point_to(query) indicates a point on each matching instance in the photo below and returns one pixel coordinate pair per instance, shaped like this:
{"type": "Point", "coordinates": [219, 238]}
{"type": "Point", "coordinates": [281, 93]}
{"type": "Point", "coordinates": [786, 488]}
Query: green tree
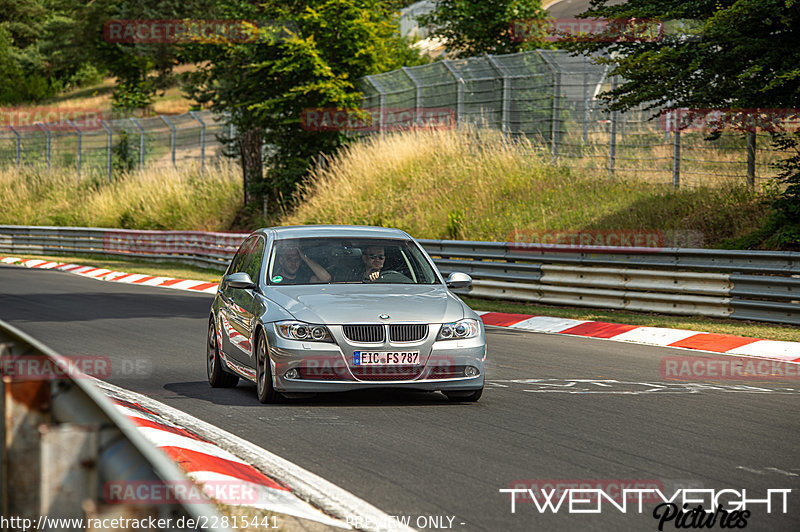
{"type": "Point", "coordinates": [476, 27]}
{"type": "Point", "coordinates": [741, 54]}
{"type": "Point", "coordinates": [308, 54]}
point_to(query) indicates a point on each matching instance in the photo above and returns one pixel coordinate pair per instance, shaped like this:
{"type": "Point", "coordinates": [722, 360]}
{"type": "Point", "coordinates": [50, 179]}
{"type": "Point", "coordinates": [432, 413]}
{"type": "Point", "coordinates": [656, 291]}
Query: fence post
{"type": "Point", "coordinates": [417, 96]}
{"type": "Point", "coordinates": [80, 135]}
{"type": "Point", "coordinates": [141, 142]}
{"type": "Point", "coordinates": [202, 140]}
{"type": "Point", "coordinates": [47, 142]}
{"type": "Point", "coordinates": [676, 158]}
{"type": "Point", "coordinates": [751, 160]}
{"type": "Point", "coordinates": [612, 137]}
{"type": "Point", "coordinates": [19, 144]}
{"type": "Point", "coordinates": [171, 136]}
{"type": "Point", "coordinates": [382, 104]}
{"type": "Point", "coordinates": [459, 91]}
{"type": "Point", "coordinates": [108, 148]}
{"type": "Point", "coordinates": [585, 100]}
{"type": "Point", "coordinates": [506, 101]}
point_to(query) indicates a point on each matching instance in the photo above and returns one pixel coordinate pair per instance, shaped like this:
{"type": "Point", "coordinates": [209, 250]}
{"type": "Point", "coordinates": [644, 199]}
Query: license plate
{"type": "Point", "coordinates": [385, 358]}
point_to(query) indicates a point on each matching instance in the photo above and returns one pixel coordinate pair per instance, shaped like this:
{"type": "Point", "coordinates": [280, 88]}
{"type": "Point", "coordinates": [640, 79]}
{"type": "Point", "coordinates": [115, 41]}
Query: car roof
{"type": "Point", "coordinates": [322, 231]}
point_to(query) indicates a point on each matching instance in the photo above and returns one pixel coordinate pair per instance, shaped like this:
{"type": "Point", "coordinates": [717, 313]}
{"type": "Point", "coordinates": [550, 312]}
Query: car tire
{"type": "Point", "coordinates": [266, 393]}
{"type": "Point", "coordinates": [465, 397]}
{"type": "Point", "coordinates": [217, 377]}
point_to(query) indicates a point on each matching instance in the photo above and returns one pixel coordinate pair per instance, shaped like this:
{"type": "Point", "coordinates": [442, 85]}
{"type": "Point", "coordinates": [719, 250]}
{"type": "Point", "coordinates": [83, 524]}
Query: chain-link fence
{"type": "Point", "coordinates": [99, 146]}
{"type": "Point", "coordinates": [547, 95]}
{"type": "Point", "coordinates": [553, 98]}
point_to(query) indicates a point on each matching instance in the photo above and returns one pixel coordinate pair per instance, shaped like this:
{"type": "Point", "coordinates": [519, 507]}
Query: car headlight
{"type": "Point", "coordinates": [459, 330]}
{"type": "Point", "coordinates": [307, 332]}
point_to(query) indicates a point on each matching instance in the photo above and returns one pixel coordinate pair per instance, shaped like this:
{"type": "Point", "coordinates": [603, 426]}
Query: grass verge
{"type": "Point", "coordinates": [696, 323]}
{"type": "Point", "coordinates": [168, 198]}
{"type": "Point", "coordinates": [482, 185]}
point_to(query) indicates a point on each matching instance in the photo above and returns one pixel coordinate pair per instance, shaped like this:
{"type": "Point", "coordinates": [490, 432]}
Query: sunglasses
{"type": "Point", "coordinates": [381, 257]}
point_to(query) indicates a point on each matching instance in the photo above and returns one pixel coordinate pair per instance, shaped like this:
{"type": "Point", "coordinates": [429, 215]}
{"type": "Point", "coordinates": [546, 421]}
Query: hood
{"type": "Point", "coordinates": [364, 303]}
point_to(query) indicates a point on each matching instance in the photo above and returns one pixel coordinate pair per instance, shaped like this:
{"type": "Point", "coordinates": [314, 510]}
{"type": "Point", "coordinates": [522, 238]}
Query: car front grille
{"type": "Point", "coordinates": [386, 373]}
{"type": "Point", "coordinates": [369, 334]}
{"type": "Point", "coordinates": [408, 332]}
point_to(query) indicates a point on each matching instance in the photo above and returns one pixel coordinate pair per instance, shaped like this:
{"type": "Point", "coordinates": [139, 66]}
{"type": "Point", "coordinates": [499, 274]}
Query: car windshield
{"type": "Point", "coordinates": [337, 260]}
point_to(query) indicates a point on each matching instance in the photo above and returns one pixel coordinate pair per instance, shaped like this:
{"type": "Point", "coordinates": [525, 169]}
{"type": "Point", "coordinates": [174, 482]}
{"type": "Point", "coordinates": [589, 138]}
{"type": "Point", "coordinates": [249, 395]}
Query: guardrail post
{"type": "Point", "coordinates": [108, 148]}
{"type": "Point", "coordinates": [751, 160]}
{"type": "Point", "coordinates": [202, 140]}
{"type": "Point", "coordinates": [19, 143]}
{"type": "Point", "coordinates": [171, 137]}
{"type": "Point", "coordinates": [612, 137]}
{"type": "Point", "coordinates": [676, 159]}
{"type": "Point", "coordinates": [141, 142]}
{"type": "Point", "coordinates": [47, 142]}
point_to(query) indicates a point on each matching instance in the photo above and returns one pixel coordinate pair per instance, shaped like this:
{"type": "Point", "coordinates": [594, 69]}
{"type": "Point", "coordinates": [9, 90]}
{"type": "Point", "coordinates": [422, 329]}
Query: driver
{"type": "Point", "coordinates": [373, 259]}
{"type": "Point", "coordinates": [296, 268]}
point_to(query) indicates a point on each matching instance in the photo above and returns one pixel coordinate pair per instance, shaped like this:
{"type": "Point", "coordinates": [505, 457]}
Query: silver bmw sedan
{"type": "Point", "coordinates": [332, 308]}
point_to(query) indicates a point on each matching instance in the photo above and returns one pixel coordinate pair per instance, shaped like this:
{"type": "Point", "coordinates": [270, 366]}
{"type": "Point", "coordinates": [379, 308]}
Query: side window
{"type": "Point", "coordinates": [242, 257]}
{"type": "Point", "coordinates": [254, 259]}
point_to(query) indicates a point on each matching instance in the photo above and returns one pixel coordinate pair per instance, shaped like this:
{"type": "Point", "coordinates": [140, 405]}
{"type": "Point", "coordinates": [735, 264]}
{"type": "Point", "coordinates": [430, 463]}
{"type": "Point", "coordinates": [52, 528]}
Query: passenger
{"type": "Point", "coordinates": [294, 267]}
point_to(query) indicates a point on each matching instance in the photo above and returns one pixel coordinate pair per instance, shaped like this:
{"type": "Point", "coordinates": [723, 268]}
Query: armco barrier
{"type": "Point", "coordinates": [741, 284]}
{"type": "Point", "coordinates": [63, 441]}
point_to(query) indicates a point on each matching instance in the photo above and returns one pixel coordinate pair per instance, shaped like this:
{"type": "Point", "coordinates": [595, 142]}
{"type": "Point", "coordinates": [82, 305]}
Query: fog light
{"type": "Point", "coordinates": [292, 374]}
{"type": "Point", "coordinates": [471, 371]}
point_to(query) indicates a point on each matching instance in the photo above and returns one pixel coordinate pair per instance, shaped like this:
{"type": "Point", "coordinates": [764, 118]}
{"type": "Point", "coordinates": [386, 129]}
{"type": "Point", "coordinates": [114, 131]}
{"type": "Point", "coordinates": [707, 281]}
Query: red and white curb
{"type": "Point", "coordinates": [726, 344]}
{"type": "Point", "coordinates": [204, 462]}
{"type": "Point", "coordinates": [103, 274]}
{"type": "Point", "coordinates": [230, 459]}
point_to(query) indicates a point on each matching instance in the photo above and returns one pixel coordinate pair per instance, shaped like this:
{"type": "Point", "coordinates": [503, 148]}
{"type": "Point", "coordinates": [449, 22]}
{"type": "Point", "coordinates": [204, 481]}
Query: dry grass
{"type": "Point", "coordinates": [163, 198]}
{"type": "Point", "coordinates": [480, 185]}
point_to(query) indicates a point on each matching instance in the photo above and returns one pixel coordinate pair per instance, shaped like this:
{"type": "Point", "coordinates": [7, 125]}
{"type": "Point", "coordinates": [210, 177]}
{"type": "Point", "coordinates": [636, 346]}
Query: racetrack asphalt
{"type": "Point", "coordinates": [598, 411]}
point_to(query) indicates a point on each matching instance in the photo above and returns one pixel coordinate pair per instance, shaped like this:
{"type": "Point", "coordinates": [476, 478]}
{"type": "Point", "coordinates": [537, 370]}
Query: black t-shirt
{"type": "Point", "coordinates": [302, 276]}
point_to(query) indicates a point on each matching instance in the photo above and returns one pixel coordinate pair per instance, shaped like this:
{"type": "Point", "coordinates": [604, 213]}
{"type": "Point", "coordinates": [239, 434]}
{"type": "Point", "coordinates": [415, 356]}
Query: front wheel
{"type": "Point", "coordinates": [217, 377]}
{"type": "Point", "coordinates": [465, 397]}
{"type": "Point", "coordinates": [266, 393]}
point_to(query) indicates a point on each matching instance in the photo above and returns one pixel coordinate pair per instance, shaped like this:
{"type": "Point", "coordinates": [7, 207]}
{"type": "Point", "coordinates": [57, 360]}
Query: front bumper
{"type": "Point", "coordinates": [328, 367]}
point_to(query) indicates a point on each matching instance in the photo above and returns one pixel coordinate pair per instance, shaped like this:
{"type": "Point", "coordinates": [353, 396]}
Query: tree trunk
{"type": "Point", "coordinates": [252, 165]}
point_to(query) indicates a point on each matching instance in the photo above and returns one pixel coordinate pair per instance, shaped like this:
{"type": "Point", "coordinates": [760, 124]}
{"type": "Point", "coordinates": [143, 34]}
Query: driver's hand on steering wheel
{"type": "Point", "coordinates": [374, 275]}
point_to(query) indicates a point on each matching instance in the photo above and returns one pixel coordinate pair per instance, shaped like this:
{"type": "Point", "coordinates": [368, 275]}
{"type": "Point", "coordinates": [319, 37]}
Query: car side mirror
{"type": "Point", "coordinates": [458, 280]}
{"type": "Point", "coordinates": [240, 280]}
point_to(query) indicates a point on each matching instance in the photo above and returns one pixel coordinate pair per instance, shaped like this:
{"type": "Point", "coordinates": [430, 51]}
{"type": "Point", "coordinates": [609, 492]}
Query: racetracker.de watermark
{"type": "Point", "coordinates": [196, 31]}
{"type": "Point", "coordinates": [51, 118]}
{"type": "Point", "coordinates": [594, 240]}
{"type": "Point", "coordinates": [377, 119]}
{"type": "Point", "coordinates": [586, 29]}
{"type": "Point", "coordinates": [150, 492]}
{"type": "Point", "coordinates": [43, 368]}
{"type": "Point", "coordinates": [727, 368]}
{"type": "Point", "coordinates": [756, 119]}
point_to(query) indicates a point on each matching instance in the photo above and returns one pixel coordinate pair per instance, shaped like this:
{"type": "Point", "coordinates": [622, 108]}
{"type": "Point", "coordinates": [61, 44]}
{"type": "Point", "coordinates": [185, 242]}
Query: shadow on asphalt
{"type": "Point", "coordinates": [245, 395]}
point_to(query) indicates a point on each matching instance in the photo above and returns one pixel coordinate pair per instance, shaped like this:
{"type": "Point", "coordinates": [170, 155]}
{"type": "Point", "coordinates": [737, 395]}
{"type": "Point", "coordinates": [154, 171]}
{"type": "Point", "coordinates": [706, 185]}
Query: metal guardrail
{"type": "Point", "coordinates": [63, 441]}
{"type": "Point", "coordinates": [740, 284]}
